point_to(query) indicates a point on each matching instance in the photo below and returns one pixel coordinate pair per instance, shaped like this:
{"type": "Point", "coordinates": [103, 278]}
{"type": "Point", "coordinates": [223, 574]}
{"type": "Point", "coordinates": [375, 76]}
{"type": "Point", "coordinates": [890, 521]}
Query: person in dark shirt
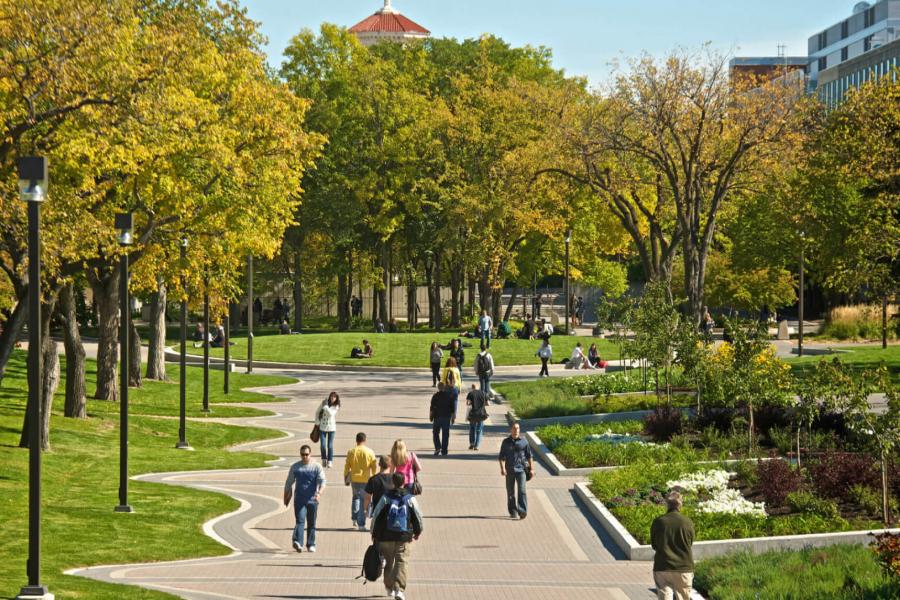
{"type": "Point", "coordinates": [379, 483]}
{"type": "Point", "coordinates": [517, 465]}
{"type": "Point", "coordinates": [442, 415]}
{"type": "Point", "coordinates": [394, 536]}
{"type": "Point", "coordinates": [477, 402]}
{"type": "Point", "coordinates": [672, 536]}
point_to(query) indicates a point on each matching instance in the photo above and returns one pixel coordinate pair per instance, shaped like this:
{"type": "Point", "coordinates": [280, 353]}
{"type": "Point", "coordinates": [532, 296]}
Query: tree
{"type": "Point", "coordinates": [656, 327]}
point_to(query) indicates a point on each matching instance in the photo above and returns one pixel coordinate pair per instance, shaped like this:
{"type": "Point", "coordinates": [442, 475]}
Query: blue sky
{"type": "Point", "coordinates": [585, 35]}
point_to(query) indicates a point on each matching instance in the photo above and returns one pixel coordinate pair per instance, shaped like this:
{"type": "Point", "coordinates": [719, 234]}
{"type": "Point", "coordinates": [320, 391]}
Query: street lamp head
{"type": "Point", "coordinates": [184, 242]}
{"type": "Point", "coordinates": [33, 178]}
{"type": "Point", "coordinates": [124, 226]}
{"type": "Point", "coordinates": [568, 236]}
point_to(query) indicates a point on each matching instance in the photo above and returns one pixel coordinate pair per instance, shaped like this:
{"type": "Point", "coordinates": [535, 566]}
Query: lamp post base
{"type": "Point", "coordinates": [205, 410]}
{"type": "Point", "coordinates": [35, 592]}
{"type": "Point", "coordinates": [184, 446]}
{"type": "Point", "coordinates": [124, 508]}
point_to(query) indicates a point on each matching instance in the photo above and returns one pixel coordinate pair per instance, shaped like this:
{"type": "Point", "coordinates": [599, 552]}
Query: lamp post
{"type": "Point", "coordinates": [250, 314]}
{"type": "Point", "coordinates": [206, 338]}
{"type": "Point", "coordinates": [227, 364]}
{"type": "Point", "coordinates": [568, 240]}
{"type": "Point", "coordinates": [182, 360]}
{"type": "Point", "coordinates": [33, 181]}
{"type": "Point", "coordinates": [800, 311]}
{"type": "Point", "coordinates": [124, 226]}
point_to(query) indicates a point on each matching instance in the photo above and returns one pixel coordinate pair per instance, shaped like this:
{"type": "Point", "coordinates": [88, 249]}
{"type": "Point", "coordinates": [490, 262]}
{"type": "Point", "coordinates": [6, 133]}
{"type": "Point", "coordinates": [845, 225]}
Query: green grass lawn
{"type": "Point", "coordinates": [397, 349]}
{"type": "Point", "coordinates": [858, 357]}
{"type": "Point", "coordinates": [80, 482]}
{"type": "Point", "coordinates": [837, 573]}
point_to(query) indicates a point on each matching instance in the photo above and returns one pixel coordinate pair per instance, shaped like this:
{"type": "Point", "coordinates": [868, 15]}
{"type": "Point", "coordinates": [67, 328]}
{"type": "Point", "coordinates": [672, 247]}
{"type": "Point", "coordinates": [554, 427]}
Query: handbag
{"type": "Point", "coordinates": [415, 488]}
{"type": "Point", "coordinates": [315, 434]}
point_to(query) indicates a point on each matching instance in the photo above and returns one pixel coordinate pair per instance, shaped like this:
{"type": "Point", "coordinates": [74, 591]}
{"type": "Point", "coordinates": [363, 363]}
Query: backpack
{"type": "Point", "coordinates": [482, 365]}
{"type": "Point", "coordinates": [372, 564]}
{"type": "Point", "coordinates": [355, 352]}
{"type": "Point", "coordinates": [398, 514]}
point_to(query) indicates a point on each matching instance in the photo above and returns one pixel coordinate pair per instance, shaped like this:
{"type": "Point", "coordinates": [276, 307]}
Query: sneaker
{"type": "Point", "coordinates": [436, 452]}
{"type": "Point", "coordinates": [389, 592]}
{"type": "Point", "coordinates": [330, 464]}
{"type": "Point", "coordinates": [362, 528]}
{"type": "Point", "coordinates": [298, 546]}
{"type": "Point", "coordinates": [399, 595]}
{"type": "Point", "coordinates": [513, 515]}
{"type": "Point", "coordinates": [310, 548]}
{"type": "Point", "coordinates": [522, 515]}
{"type": "Point", "coordinates": [475, 448]}
{"type": "Point", "coordinates": [471, 447]}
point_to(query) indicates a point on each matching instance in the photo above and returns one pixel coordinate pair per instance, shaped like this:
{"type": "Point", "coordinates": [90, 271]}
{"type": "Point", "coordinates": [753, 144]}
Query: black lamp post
{"type": "Point", "coordinates": [206, 338]}
{"type": "Point", "coordinates": [124, 227]}
{"type": "Point", "coordinates": [227, 365]}
{"type": "Point", "coordinates": [800, 308]}
{"type": "Point", "coordinates": [182, 380]}
{"type": "Point", "coordinates": [33, 181]}
{"type": "Point", "coordinates": [250, 314]}
{"type": "Point", "coordinates": [568, 240]}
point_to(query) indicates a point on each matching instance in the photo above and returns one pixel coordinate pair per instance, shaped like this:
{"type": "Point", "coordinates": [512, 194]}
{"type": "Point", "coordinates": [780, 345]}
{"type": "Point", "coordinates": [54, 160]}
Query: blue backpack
{"type": "Point", "coordinates": [398, 514]}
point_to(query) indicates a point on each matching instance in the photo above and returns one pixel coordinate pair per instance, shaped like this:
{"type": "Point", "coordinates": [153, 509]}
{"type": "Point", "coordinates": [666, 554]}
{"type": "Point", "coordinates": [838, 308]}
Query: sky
{"type": "Point", "coordinates": [586, 36]}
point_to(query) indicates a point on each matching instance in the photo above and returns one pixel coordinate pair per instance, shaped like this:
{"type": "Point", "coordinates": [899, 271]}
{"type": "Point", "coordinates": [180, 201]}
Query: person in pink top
{"type": "Point", "coordinates": [405, 462]}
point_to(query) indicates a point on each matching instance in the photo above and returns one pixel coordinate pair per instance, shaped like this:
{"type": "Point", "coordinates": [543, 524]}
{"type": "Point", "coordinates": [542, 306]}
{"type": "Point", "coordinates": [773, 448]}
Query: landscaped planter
{"type": "Point", "coordinates": [708, 549]}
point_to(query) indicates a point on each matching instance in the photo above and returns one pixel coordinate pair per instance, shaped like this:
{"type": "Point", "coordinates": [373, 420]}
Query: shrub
{"type": "Point", "coordinates": [721, 443]}
{"type": "Point", "coordinates": [887, 552]}
{"type": "Point", "coordinates": [777, 479]}
{"type": "Point", "coordinates": [870, 500]}
{"type": "Point", "coordinates": [718, 417]}
{"type": "Point", "coordinates": [834, 474]}
{"type": "Point", "coordinates": [785, 440]}
{"type": "Point", "coordinates": [805, 502]}
{"type": "Point", "coordinates": [767, 416]}
{"type": "Point", "coordinates": [858, 321]}
{"type": "Point", "coordinates": [745, 470]}
{"type": "Point", "coordinates": [663, 423]}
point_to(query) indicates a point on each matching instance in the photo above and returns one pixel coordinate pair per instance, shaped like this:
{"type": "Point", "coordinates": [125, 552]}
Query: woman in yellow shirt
{"type": "Point", "coordinates": [451, 376]}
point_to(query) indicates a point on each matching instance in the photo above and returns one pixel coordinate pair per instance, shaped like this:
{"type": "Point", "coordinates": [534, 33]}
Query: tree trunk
{"type": "Point", "coordinates": [384, 257]}
{"type": "Point", "coordinates": [411, 299]}
{"type": "Point", "coordinates": [885, 505]}
{"type": "Point", "coordinates": [76, 389]}
{"type": "Point", "coordinates": [134, 357]}
{"type": "Point", "coordinates": [472, 288]}
{"type": "Point", "coordinates": [374, 303]}
{"type": "Point", "coordinates": [455, 292]}
{"type": "Point", "coordinates": [49, 381]}
{"type": "Point", "coordinates": [484, 291]}
{"type": "Point", "coordinates": [496, 296]}
{"type": "Point", "coordinates": [436, 282]}
{"type": "Point", "coordinates": [12, 328]}
{"type": "Point", "coordinates": [343, 299]}
{"type": "Point", "coordinates": [156, 344]}
{"type": "Point", "coordinates": [430, 291]}
{"type": "Point", "coordinates": [509, 305]}
{"type": "Point", "coordinates": [298, 291]}
{"type": "Point", "coordinates": [106, 299]}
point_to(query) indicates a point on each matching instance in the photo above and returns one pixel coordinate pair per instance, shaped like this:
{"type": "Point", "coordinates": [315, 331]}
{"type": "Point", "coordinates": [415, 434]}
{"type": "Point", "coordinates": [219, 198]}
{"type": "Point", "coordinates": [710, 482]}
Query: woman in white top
{"type": "Point", "coordinates": [578, 359]}
{"type": "Point", "coordinates": [545, 353]}
{"type": "Point", "coordinates": [326, 416]}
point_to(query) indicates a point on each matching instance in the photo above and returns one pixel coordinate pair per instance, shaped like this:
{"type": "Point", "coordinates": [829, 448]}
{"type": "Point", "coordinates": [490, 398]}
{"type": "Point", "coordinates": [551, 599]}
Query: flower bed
{"type": "Point", "coordinates": [722, 510]}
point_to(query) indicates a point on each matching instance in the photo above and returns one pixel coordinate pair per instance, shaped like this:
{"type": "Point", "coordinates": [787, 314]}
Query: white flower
{"type": "Point", "coordinates": [706, 480]}
{"type": "Point", "coordinates": [617, 438]}
{"type": "Point", "coordinates": [723, 499]}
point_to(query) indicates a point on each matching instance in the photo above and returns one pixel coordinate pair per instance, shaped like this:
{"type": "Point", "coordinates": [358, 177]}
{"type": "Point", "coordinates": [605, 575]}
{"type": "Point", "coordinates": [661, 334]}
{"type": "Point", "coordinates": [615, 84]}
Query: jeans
{"type": "Point", "coordinates": [486, 338]}
{"type": "Point", "coordinates": [435, 373]}
{"type": "Point", "coordinates": [358, 502]}
{"type": "Point", "coordinates": [485, 383]}
{"type": "Point", "coordinates": [516, 503]}
{"type": "Point", "coordinates": [396, 563]}
{"type": "Point", "coordinates": [326, 442]}
{"type": "Point", "coordinates": [305, 512]}
{"type": "Point", "coordinates": [544, 370]}
{"type": "Point", "coordinates": [476, 430]}
{"type": "Point", "coordinates": [441, 433]}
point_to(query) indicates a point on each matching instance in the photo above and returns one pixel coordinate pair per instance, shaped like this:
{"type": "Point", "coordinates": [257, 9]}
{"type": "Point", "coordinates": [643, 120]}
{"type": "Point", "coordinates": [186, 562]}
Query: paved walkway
{"type": "Point", "coordinates": [470, 547]}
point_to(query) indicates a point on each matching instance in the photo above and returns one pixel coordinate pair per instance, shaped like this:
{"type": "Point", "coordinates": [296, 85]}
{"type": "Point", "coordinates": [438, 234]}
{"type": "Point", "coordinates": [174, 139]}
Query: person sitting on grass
{"type": "Point", "coordinates": [365, 352]}
{"type": "Point", "coordinates": [594, 358]}
{"type": "Point", "coordinates": [504, 330]}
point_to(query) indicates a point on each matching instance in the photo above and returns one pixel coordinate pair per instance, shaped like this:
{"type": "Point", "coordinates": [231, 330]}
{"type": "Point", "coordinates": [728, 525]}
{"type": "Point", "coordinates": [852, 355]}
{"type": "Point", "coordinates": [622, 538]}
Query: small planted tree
{"type": "Point", "coordinates": [656, 325]}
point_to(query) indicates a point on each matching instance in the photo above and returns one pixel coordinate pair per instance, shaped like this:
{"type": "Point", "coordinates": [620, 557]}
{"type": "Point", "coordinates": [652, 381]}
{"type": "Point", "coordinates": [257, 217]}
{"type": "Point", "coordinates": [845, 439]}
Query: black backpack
{"type": "Point", "coordinates": [372, 564]}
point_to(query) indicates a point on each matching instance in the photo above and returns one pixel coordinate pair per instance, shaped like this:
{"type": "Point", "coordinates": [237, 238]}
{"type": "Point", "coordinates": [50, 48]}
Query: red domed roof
{"type": "Point", "coordinates": [388, 20]}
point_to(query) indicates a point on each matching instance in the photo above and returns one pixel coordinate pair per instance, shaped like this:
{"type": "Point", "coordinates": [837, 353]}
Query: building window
{"type": "Point", "coordinates": [867, 43]}
{"type": "Point", "coordinates": [823, 63]}
{"type": "Point", "coordinates": [844, 53]}
{"type": "Point", "coordinates": [823, 39]}
{"type": "Point", "coordinates": [845, 30]}
{"type": "Point", "coordinates": [869, 19]}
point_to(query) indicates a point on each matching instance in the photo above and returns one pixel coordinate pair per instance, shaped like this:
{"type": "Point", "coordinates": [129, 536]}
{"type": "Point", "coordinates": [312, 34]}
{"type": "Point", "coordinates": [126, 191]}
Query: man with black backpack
{"type": "Point", "coordinates": [396, 522]}
{"type": "Point", "coordinates": [477, 402]}
{"type": "Point", "coordinates": [484, 368]}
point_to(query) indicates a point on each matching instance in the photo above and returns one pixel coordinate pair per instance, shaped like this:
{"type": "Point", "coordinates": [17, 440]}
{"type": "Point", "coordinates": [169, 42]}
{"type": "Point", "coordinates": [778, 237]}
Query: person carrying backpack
{"type": "Point", "coordinates": [396, 522]}
{"type": "Point", "coordinates": [484, 368]}
{"type": "Point", "coordinates": [477, 402]}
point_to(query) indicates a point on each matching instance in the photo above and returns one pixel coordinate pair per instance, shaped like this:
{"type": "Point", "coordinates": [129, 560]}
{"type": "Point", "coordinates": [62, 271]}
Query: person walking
{"type": "Point", "coordinates": [378, 484]}
{"type": "Point", "coordinates": [486, 324]}
{"type": "Point", "coordinates": [457, 352]}
{"type": "Point", "coordinates": [517, 465]}
{"type": "Point", "coordinates": [545, 353]}
{"type": "Point", "coordinates": [405, 462]}
{"type": "Point", "coordinates": [538, 300]}
{"type": "Point", "coordinates": [305, 482]}
{"type": "Point", "coordinates": [358, 468]}
{"type": "Point", "coordinates": [477, 401]}
{"type": "Point", "coordinates": [435, 357]}
{"type": "Point", "coordinates": [442, 415]}
{"type": "Point", "coordinates": [672, 536]}
{"type": "Point", "coordinates": [326, 416]}
{"type": "Point", "coordinates": [451, 377]}
{"type": "Point", "coordinates": [396, 522]}
{"type": "Point", "coordinates": [484, 368]}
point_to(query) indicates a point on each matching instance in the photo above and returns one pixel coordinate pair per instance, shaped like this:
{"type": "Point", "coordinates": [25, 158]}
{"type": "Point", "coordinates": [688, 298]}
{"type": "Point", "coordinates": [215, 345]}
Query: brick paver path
{"type": "Point", "coordinates": [470, 547]}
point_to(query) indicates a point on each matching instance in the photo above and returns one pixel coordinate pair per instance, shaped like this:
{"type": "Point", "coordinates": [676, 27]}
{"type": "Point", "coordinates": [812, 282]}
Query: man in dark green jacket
{"type": "Point", "coordinates": [672, 536]}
